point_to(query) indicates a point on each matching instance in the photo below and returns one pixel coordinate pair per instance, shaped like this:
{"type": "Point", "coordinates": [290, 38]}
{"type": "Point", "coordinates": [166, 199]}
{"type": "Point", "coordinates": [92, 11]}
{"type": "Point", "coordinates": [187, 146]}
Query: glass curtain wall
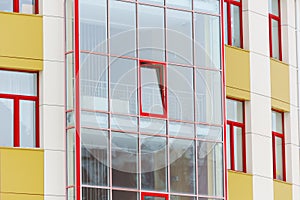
{"type": "Point", "coordinates": [144, 100]}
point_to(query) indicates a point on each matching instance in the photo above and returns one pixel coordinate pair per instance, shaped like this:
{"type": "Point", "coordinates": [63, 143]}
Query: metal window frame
{"type": "Point", "coordinates": [278, 19]}
{"type": "Point", "coordinates": [16, 6]}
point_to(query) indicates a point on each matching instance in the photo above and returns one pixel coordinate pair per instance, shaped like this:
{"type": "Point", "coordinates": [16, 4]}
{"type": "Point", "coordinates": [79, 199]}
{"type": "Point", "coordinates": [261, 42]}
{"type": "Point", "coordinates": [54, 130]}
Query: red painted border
{"type": "Point", "coordinates": [36, 6]}
{"type": "Point", "coordinates": [278, 19]}
{"type": "Point", "coordinates": [148, 194]}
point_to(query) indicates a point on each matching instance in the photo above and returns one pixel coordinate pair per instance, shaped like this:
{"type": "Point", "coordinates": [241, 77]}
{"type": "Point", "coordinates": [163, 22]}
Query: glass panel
{"type": "Point", "coordinates": [94, 193]}
{"type": "Point", "coordinates": [279, 158]}
{"type": "Point", "coordinates": [235, 110]}
{"type": "Point", "coordinates": [275, 39]}
{"type": "Point", "coordinates": [210, 168]}
{"type": "Point", "coordinates": [123, 123]}
{"type": "Point", "coordinates": [181, 129]}
{"type": "Point", "coordinates": [153, 126]}
{"type": "Point", "coordinates": [182, 166]}
{"type": "Point", "coordinates": [277, 122]}
{"type": "Point", "coordinates": [209, 96]}
{"type": "Point", "coordinates": [93, 25]}
{"type": "Point", "coordinates": [71, 194]}
{"type": "Point", "coordinates": [154, 163]}
{"type": "Point", "coordinates": [7, 122]}
{"type": "Point", "coordinates": [207, 41]}
{"type": "Point", "coordinates": [6, 5]}
{"type": "Point", "coordinates": [27, 124]}
{"type": "Point", "coordinates": [93, 82]}
{"type": "Point", "coordinates": [70, 119]}
{"type": "Point", "coordinates": [27, 6]}
{"type": "Point", "coordinates": [182, 198]}
{"type": "Point", "coordinates": [228, 151]}
{"type": "Point", "coordinates": [158, 2]}
{"type": "Point", "coordinates": [71, 156]}
{"type": "Point", "coordinates": [209, 132]}
{"type": "Point", "coordinates": [124, 195]}
{"type": "Point", "coordinates": [225, 23]}
{"type": "Point", "coordinates": [122, 28]}
{"type": "Point", "coordinates": [211, 6]}
{"type": "Point", "coordinates": [123, 83]}
{"type": "Point", "coordinates": [273, 7]}
{"type": "Point", "coordinates": [238, 148]}
{"type": "Point", "coordinates": [94, 157]}
{"type": "Point", "coordinates": [185, 4]}
{"type": "Point", "coordinates": [20, 83]}
{"type": "Point", "coordinates": [179, 40]}
{"type": "Point", "coordinates": [124, 152]}
{"type": "Point", "coordinates": [151, 33]}
{"type": "Point", "coordinates": [235, 26]}
{"type": "Point", "coordinates": [180, 93]}
{"type": "Point", "coordinates": [69, 25]}
{"type": "Point", "coordinates": [70, 81]}
{"type": "Point", "coordinates": [94, 120]}
{"type": "Point", "coordinates": [152, 88]}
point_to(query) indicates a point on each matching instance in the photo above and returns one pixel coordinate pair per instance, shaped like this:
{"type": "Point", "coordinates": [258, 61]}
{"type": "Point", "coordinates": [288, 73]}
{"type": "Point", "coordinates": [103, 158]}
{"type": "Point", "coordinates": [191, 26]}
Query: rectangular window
{"type": "Point", "coordinates": [152, 89]}
{"type": "Point", "coordinates": [233, 23]}
{"type": "Point", "coordinates": [278, 146]}
{"type": "Point", "coordinates": [275, 29]}
{"type": "Point", "coordinates": [236, 142]}
{"type": "Point", "coordinates": [18, 109]}
{"type": "Point", "coordinates": [22, 6]}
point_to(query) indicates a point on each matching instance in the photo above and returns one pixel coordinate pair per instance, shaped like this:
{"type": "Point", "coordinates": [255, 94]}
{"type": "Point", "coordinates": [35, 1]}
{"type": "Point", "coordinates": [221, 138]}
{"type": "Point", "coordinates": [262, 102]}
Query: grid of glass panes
{"type": "Point", "coordinates": [181, 154]}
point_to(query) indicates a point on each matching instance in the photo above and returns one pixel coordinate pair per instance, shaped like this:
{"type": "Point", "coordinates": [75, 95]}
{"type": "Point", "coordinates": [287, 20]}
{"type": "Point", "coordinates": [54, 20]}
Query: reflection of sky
{"type": "Point", "coordinates": [6, 119]}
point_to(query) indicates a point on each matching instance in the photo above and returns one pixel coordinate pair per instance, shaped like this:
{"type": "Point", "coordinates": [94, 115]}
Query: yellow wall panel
{"type": "Point", "coordinates": [21, 38]}
{"type": "Point", "coordinates": [282, 190]}
{"type": "Point", "coordinates": [239, 186]}
{"type": "Point", "coordinates": [21, 64]}
{"type": "Point", "coordinates": [12, 196]}
{"type": "Point", "coordinates": [21, 171]}
{"type": "Point", "coordinates": [237, 65]}
{"type": "Point", "coordinates": [280, 85]}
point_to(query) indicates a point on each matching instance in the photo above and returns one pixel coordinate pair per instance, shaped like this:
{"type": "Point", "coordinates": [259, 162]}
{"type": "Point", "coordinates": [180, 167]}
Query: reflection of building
{"type": "Point", "coordinates": [125, 99]}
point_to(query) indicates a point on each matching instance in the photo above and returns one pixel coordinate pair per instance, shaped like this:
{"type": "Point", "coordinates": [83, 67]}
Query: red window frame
{"type": "Point", "coordinates": [278, 19]}
{"type": "Point", "coordinates": [16, 99]}
{"type": "Point", "coordinates": [163, 87]}
{"type": "Point", "coordinates": [16, 5]}
{"type": "Point", "coordinates": [233, 124]}
{"type": "Point", "coordinates": [148, 194]}
{"type": "Point", "coordinates": [282, 137]}
{"type": "Point", "coordinates": [229, 33]}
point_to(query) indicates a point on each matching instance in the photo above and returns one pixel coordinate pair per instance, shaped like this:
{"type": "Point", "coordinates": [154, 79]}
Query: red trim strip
{"type": "Point", "coordinates": [16, 6]}
{"type": "Point", "coordinates": [36, 6]}
{"type": "Point", "coordinates": [16, 123]}
{"type": "Point", "coordinates": [148, 194]}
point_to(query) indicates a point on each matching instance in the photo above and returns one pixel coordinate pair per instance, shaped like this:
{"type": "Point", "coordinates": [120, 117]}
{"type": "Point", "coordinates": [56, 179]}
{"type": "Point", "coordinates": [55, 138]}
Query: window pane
{"type": "Point", "coordinates": [186, 4]}
{"type": "Point", "coordinates": [93, 82]}
{"type": "Point", "coordinates": [234, 110]}
{"type": "Point", "coordinates": [235, 26]}
{"type": "Point", "coordinates": [182, 166]}
{"type": "Point", "coordinates": [182, 198]}
{"type": "Point", "coordinates": [279, 158]}
{"type": "Point", "coordinates": [179, 40]}
{"type": "Point", "coordinates": [228, 149]}
{"type": "Point", "coordinates": [154, 163]}
{"type": "Point", "coordinates": [94, 120]}
{"type": "Point", "coordinates": [94, 193]}
{"type": "Point", "coordinates": [123, 86]}
{"type": "Point", "coordinates": [238, 148]}
{"type": "Point", "coordinates": [71, 194]}
{"type": "Point", "coordinates": [273, 7]}
{"type": "Point", "coordinates": [27, 124]}
{"type": "Point", "coordinates": [211, 6]}
{"type": "Point", "coordinates": [152, 88]}
{"type": "Point", "coordinates": [123, 123]}
{"type": "Point", "coordinates": [209, 96]}
{"type": "Point", "coordinates": [70, 92]}
{"type": "Point", "coordinates": [7, 122]}
{"type": "Point", "coordinates": [27, 6]}
{"type": "Point", "coordinates": [124, 195]}
{"type": "Point", "coordinates": [180, 93]}
{"type": "Point", "coordinates": [209, 132]}
{"type": "Point", "coordinates": [210, 168]}
{"type": "Point", "coordinates": [20, 83]}
{"type": "Point", "coordinates": [6, 5]}
{"type": "Point", "coordinates": [153, 126]}
{"type": "Point", "coordinates": [207, 38]}
{"type": "Point", "coordinates": [71, 157]}
{"type": "Point", "coordinates": [181, 129]}
{"type": "Point", "coordinates": [93, 25]}
{"type": "Point", "coordinates": [151, 33]}
{"type": "Point", "coordinates": [124, 152]}
{"type": "Point", "coordinates": [122, 28]}
{"type": "Point", "coordinates": [275, 39]}
{"type": "Point", "coordinates": [225, 17]}
{"type": "Point", "coordinates": [94, 157]}
{"type": "Point", "coordinates": [277, 122]}
{"type": "Point", "coordinates": [158, 2]}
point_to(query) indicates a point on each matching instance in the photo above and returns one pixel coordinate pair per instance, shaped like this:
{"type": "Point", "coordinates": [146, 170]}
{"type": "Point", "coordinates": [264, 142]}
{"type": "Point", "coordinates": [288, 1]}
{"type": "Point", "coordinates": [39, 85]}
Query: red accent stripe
{"type": "Point", "coordinates": [36, 6]}
{"type": "Point", "coordinates": [16, 6]}
{"type": "Point", "coordinates": [16, 123]}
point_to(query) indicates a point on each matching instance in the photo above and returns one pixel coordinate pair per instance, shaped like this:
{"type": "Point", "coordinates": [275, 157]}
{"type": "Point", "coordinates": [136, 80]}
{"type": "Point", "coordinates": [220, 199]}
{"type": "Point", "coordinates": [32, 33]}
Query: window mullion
{"type": "Point", "coordinates": [16, 122]}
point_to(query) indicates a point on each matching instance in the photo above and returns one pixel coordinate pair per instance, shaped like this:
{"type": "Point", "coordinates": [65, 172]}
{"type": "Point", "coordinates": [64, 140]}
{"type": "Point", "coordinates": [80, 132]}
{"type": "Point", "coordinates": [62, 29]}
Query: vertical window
{"type": "Point", "coordinates": [275, 29]}
{"type": "Point", "coordinates": [152, 89]}
{"type": "Point", "coordinates": [22, 6]}
{"type": "Point", "coordinates": [18, 109]}
{"type": "Point", "coordinates": [278, 145]}
{"type": "Point", "coordinates": [235, 133]}
{"type": "Point", "coordinates": [233, 23]}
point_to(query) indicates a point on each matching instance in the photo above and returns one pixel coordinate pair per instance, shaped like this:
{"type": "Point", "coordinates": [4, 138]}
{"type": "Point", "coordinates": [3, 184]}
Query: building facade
{"type": "Point", "coordinates": [149, 99]}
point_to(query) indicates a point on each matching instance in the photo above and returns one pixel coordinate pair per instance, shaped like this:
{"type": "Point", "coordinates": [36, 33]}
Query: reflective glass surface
{"type": "Point", "coordinates": [27, 6]}
{"type": "Point", "coordinates": [27, 123]}
{"type": "Point", "coordinates": [6, 5]}
{"type": "Point", "coordinates": [6, 122]}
